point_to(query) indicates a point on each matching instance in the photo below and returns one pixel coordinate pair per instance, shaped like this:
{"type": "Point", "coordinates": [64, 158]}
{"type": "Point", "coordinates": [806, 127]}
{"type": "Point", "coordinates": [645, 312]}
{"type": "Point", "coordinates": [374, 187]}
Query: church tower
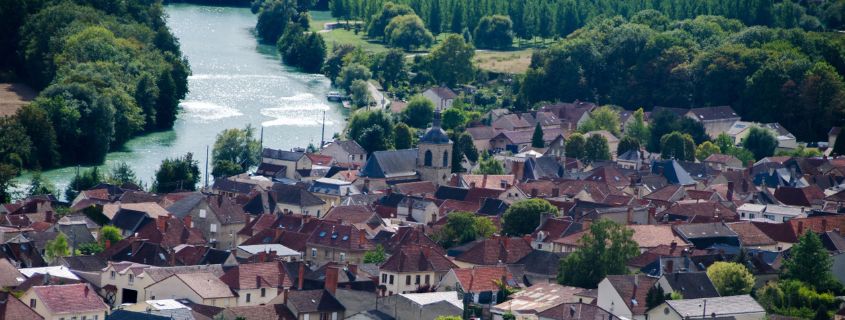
{"type": "Point", "coordinates": [434, 154]}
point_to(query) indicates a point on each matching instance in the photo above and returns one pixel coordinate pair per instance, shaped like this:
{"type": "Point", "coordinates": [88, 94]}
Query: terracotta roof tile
{"type": "Point", "coordinates": [632, 288]}
{"type": "Point", "coordinates": [70, 298]}
{"type": "Point", "coordinates": [750, 235]}
{"type": "Point", "coordinates": [481, 278]}
{"type": "Point", "coordinates": [257, 275]}
{"type": "Point", "coordinates": [413, 258]}
{"type": "Point", "coordinates": [496, 250]}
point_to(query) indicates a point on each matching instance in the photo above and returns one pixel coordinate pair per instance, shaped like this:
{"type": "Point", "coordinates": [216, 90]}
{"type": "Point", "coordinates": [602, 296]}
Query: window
{"type": "Point", "coordinates": [202, 213]}
{"type": "Point", "coordinates": [32, 303]}
{"type": "Point", "coordinates": [391, 279]}
{"type": "Point", "coordinates": [112, 275]}
{"type": "Point", "coordinates": [314, 252]}
{"type": "Point", "coordinates": [263, 292]}
{"type": "Point", "coordinates": [445, 158]}
{"type": "Point", "coordinates": [751, 216]}
{"type": "Point", "coordinates": [324, 316]}
{"type": "Point", "coordinates": [417, 280]}
{"type": "Point", "coordinates": [769, 216]}
{"type": "Point", "coordinates": [342, 257]}
{"type": "Point", "coordinates": [428, 156]}
{"type": "Point", "coordinates": [131, 278]}
{"type": "Point", "coordinates": [407, 280]}
{"type": "Point", "coordinates": [327, 253]}
{"type": "Point", "coordinates": [248, 298]}
{"type": "Point", "coordinates": [427, 279]}
{"type": "Point", "coordinates": [212, 227]}
{"type": "Point", "coordinates": [383, 278]}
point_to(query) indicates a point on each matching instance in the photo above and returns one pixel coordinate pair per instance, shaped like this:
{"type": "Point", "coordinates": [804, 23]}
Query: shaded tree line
{"type": "Point", "coordinates": [789, 76]}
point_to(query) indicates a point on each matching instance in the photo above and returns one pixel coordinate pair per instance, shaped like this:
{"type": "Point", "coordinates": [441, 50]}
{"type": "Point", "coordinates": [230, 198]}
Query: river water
{"type": "Point", "coordinates": [236, 81]}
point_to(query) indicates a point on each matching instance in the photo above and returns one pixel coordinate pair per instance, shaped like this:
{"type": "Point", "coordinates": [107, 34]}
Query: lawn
{"type": "Point", "coordinates": [511, 62]}
{"type": "Point", "coordinates": [319, 19]}
{"type": "Point", "coordinates": [340, 36]}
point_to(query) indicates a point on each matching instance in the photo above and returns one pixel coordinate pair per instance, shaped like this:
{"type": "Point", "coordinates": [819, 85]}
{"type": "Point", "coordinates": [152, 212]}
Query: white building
{"type": "Point", "coordinates": [742, 307]}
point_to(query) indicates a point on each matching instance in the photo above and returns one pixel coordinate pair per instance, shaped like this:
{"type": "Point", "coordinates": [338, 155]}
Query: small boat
{"type": "Point", "coordinates": [346, 104]}
{"type": "Point", "coordinates": [334, 96]}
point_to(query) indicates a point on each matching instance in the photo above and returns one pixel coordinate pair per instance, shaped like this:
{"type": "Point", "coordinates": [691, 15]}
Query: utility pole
{"type": "Point", "coordinates": [206, 164]}
{"type": "Point", "coordinates": [261, 139]}
{"type": "Point", "coordinates": [323, 132]}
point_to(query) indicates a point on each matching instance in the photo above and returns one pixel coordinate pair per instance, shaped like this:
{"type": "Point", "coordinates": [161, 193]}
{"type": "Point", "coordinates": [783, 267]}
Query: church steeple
{"type": "Point", "coordinates": [436, 122]}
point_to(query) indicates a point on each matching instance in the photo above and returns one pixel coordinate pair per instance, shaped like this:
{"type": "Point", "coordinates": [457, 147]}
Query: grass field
{"type": "Point", "coordinates": [319, 19]}
{"type": "Point", "coordinates": [511, 62]}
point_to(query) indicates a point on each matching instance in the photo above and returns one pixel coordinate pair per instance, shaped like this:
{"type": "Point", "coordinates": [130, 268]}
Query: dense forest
{"type": "Point", "coordinates": [558, 18]}
{"type": "Point", "coordinates": [789, 76]}
{"type": "Point", "coordinates": [105, 71]}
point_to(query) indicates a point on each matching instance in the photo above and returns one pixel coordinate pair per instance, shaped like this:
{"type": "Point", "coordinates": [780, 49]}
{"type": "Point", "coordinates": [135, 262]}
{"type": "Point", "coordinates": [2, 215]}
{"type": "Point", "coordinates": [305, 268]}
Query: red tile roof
{"type": "Point", "coordinates": [344, 237]}
{"type": "Point", "coordinates": [497, 250]}
{"type": "Point", "coordinates": [417, 259]}
{"type": "Point", "coordinates": [319, 159]}
{"type": "Point", "coordinates": [750, 235]}
{"type": "Point", "coordinates": [482, 278]}
{"type": "Point", "coordinates": [632, 287]}
{"type": "Point", "coordinates": [417, 188]}
{"type": "Point", "coordinates": [70, 298]}
{"type": "Point", "coordinates": [449, 206]}
{"type": "Point", "coordinates": [350, 214]}
{"type": "Point", "coordinates": [804, 197]}
{"type": "Point", "coordinates": [700, 212]}
{"type": "Point", "coordinates": [257, 275]}
{"type": "Point", "coordinates": [14, 309]}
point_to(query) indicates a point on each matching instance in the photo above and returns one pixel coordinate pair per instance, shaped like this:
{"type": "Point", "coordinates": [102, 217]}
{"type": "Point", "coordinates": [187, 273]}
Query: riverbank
{"type": "Point", "coordinates": [236, 81]}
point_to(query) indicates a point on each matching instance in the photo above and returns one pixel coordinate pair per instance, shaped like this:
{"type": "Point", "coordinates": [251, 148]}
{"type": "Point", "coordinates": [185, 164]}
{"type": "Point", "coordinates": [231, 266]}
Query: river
{"type": "Point", "coordinates": [236, 81]}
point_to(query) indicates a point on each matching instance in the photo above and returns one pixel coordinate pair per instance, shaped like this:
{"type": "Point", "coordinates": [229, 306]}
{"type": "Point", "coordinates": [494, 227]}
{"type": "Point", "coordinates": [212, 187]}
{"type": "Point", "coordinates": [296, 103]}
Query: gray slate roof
{"type": "Point", "coordinates": [384, 164]}
{"type": "Point", "coordinates": [282, 154]}
{"type": "Point", "coordinates": [721, 306]}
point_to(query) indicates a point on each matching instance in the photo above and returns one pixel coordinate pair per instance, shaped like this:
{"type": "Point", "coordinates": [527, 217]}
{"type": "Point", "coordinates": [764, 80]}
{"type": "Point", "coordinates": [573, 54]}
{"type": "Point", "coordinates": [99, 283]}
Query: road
{"type": "Point", "coordinates": [381, 101]}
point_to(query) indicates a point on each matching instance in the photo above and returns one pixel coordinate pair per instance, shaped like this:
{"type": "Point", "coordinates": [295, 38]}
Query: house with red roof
{"type": "Point", "coordinates": [624, 296]}
{"type": "Point", "coordinates": [494, 251]}
{"type": "Point", "coordinates": [257, 283]}
{"type": "Point", "coordinates": [413, 268]}
{"type": "Point", "coordinates": [480, 281]}
{"type": "Point", "coordinates": [70, 301]}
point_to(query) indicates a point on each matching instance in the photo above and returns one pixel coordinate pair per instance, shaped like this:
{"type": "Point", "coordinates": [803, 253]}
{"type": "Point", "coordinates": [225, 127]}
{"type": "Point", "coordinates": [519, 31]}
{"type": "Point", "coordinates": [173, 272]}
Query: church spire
{"type": "Point", "coordinates": [436, 122]}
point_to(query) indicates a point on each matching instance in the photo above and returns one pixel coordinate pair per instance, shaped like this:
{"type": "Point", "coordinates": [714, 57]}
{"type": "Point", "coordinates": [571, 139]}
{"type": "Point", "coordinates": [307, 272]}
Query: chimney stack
{"type": "Point", "coordinates": [630, 215]}
{"type": "Point", "coordinates": [533, 192]}
{"type": "Point", "coordinates": [300, 276]}
{"type": "Point", "coordinates": [108, 244]}
{"type": "Point", "coordinates": [670, 266]}
{"type": "Point", "coordinates": [800, 228]}
{"type": "Point", "coordinates": [331, 279]}
{"type": "Point", "coordinates": [188, 222]}
{"type": "Point", "coordinates": [555, 192]}
{"type": "Point", "coordinates": [161, 223]}
{"type": "Point", "coordinates": [730, 194]}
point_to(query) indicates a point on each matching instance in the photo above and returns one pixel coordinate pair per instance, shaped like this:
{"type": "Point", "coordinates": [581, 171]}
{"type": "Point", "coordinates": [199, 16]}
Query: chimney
{"type": "Point", "coordinates": [277, 232]}
{"type": "Point", "coordinates": [472, 184]}
{"type": "Point", "coordinates": [744, 186]}
{"type": "Point", "coordinates": [353, 268]}
{"type": "Point", "coordinates": [188, 222]}
{"type": "Point", "coordinates": [362, 238]}
{"type": "Point", "coordinates": [161, 223]}
{"type": "Point", "coordinates": [87, 290]}
{"type": "Point", "coordinates": [271, 255]}
{"type": "Point", "coordinates": [260, 257]}
{"type": "Point", "coordinates": [300, 276]}
{"type": "Point", "coordinates": [730, 194]}
{"type": "Point", "coordinates": [108, 244]}
{"type": "Point", "coordinates": [824, 225]}
{"type": "Point", "coordinates": [555, 192]}
{"type": "Point", "coordinates": [48, 216]}
{"type": "Point", "coordinates": [630, 215]}
{"type": "Point", "coordinates": [533, 192]}
{"type": "Point", "coordinates": [331, 279]}
{"type": "Point", "coordinates": [285, 296]}
{"type": "Point", "coordinates": [673, 246]}
{"type": "Point", "coordinates": [484, 181]}
{"type": "Point", "coordinates": [800, 228]}
{"type": "Point", "coordinates": [367, 185]}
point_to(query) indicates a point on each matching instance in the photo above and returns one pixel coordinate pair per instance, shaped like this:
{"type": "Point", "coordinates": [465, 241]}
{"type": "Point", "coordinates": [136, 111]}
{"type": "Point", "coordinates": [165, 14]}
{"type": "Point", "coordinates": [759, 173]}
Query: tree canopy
{"type": "Point", "coordinates": [524, 216]}
{"type": "Point", "coordinates": [180, 173]}
{"type": "Point", "coordinates": [604, 250]}
{"type": "Point", "coordinates": [235, 151]}
{"type": "Point", "coordinates": [730, 278]}
{"type": "Point", "coordinates": [462, 227]}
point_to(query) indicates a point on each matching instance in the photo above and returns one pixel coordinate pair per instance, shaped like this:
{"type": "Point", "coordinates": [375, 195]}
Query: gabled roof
{"type": "Point", "coordinates": [415, 188]}
{"type": "Point", "coordinates": [294, 195]}
{"type": "Point", "coordinates": [443, 92]}
{"type": "Point", "coordinates": [343, 237]}
{"type": "Point", "coordinates": [309, 301]}
{"type": "Point", "coordinates": [70, 298]}
{"type": "Point", "coordinates": [691, 285]}
{"type": "Point", "coordinates": [392, 163]}
{"type": "Point", "coordinates": [412, 258]}
{"type": "Point", "coordinates": [633, 290]}
{"type": "Point", "coordinates": [609, 175]}
{"type": "Point", "coordinates": [750, 235]}
{"type": "Point", "coordinates": [576, 311]}
{"type": "Point", "coordinates": [496, 250]}
{"type": "Point", "coordinates": [13, 309]}
{"type": "Point", "coordinates": [482, 133]}
{"type": "Point", "coordinates": [482, 278]}
{"type": "Point", "coordinates": [673, 172]}
{"type": "Point", "coordinates": [524, 136]}
{"type": "Point", "coordinates": [698, 211]}
{"type": "Point", "coordinates": [721, 306]}
{"type": "Point", "coordinates": [257, 275]}
{"type": "Point", "coordinates": [714, 113]}
{"type": "Point", "coordinates": [704, 230]}
{"type": "Point", "coordinates": [803, 197]}
{"type": "Point", "coordinates": [282, 154]}
{"type": "Point", "coordinates": [350, 146]}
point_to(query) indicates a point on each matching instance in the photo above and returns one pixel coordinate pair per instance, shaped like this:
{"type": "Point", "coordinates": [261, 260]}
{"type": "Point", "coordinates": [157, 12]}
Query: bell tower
{"type": "Point", "coordinates": [434, 154]}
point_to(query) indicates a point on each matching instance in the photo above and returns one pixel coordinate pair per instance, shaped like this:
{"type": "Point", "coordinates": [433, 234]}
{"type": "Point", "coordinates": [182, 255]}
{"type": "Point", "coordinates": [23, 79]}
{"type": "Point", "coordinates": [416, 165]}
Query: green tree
{"type": "Point", "coordinates": [655, 296]}
{"type": "Point", "coordinates": [602, 118]}
{"type": "Point", "coordinates": [537, 138]}
{"type": "Point", "coordinates": [40, 131]}
{"type": "Point", "coordinates": [353, 72]}
{"type": "Point", "coordinates": [596, 148]}
{"type": "Point", "coordinates": [408, 32]}
{"type": "Point", "coordinates": [463, 227]}
{"type": "Point", "coordinates": [7, 182]}
{"type": "Point", "coordinates": [453, 118]}
{"type": "Point", "coordinates": [90, 248]}
{"type": "Point", "coordinates": [489, 165]}
{"type": "Point", "coordinates": [373, 130]}
{"type": "Point", "coordinates": [180, 173]}
{"type": "Point", "coordinates": [435, 18]}
{"type": "Point", "coordinates": [576, 146]}
{"type": "Point", "coordinates": [359, 93]}
{"type": "Point", "coordinates": [391, 68]}
{"type": "Point", "coordinates": [39, 185]}
{"type": "Point", "coordinates": [380, 20]}
{"type": "Point", "coordinates": [524, 216]}
{"type": "Point", "coordinates": [604, 250]}
{"type": "Point", "coordinates": [463, 146]}
{"type": "Point", "coordinates": [760, 142]}
{"type": "Point", "coordinates": [15, 146]}
{"type": "Point", "coordinates": [450, 62]}
{"type": "Point", "coordinates": [677, 145]}
{"type": "Point", "coordinates": [403, 136]}
{"type": "Point", "coordinates": [83, 181]}
{"type": "Point", "coordinates": [626, 144]}
{"type": "Point", "coordinates": [730, 278]}
{"type": "Point", "coordinates": [797, 299]}
{"type": "Point", "coordinates": [839, 144]}
{"type": "Point", "coordinates": [109, 233]}
{"type": "Point", "coordinates": [121, 173]}
{"type": "Point", "coordinates": [706, 149]}
{"type": "Point", "coordinates": [273, 18]}
{"type": "Point", "coordinates": [638, 129]}
{"type": "Point", "coordinates": [376, 256]}
{"type": "Point", "coordinates": [810, 263]}
{"type": "Point", "coordinates": [494, 32]}
{"type": "Point", "coordinates": [419, 112]}
{"type": "Point", "coordinates": [56, 248]}
{"type": "Point", "coordinates": [235, 151]}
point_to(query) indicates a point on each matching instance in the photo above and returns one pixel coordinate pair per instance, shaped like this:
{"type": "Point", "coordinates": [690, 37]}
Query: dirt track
{"type": "Point", "coordinates": [13, 96]}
